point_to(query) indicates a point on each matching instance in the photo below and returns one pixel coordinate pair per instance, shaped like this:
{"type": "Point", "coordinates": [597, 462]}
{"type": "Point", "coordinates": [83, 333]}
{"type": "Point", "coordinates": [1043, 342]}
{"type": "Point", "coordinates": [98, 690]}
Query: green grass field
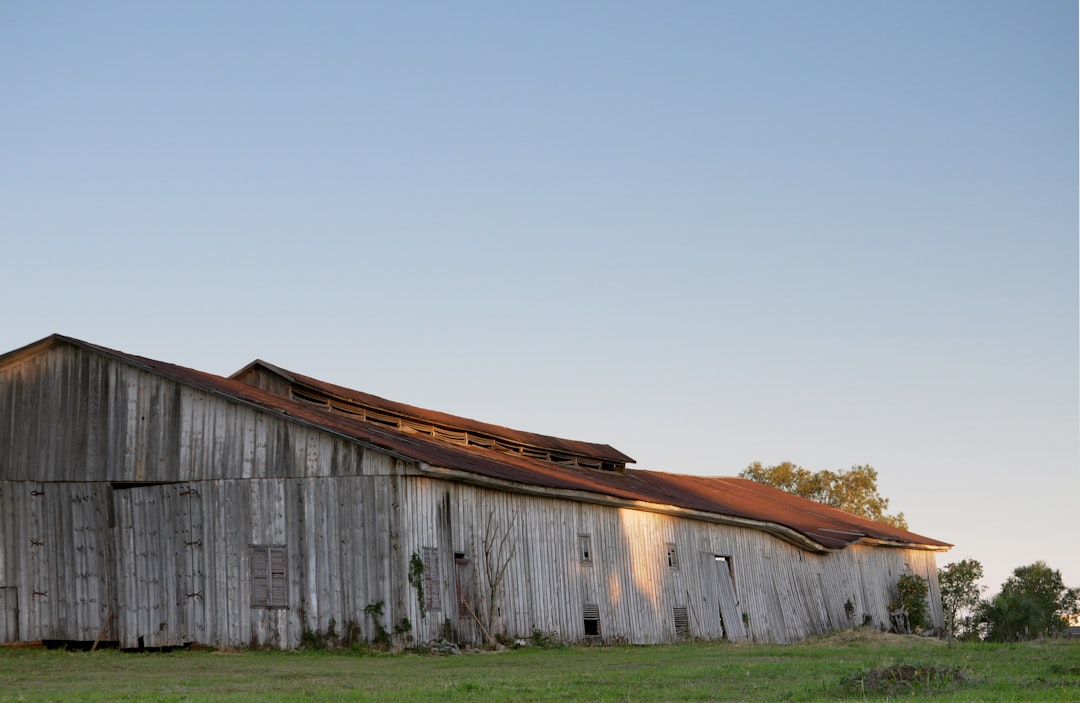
{"type": "Point", "coordinates": [856, 665]}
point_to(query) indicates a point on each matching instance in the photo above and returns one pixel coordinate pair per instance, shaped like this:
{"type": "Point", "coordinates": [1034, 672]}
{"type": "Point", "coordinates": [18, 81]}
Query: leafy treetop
{"type": "Point", "coordinates": [1033, 602]}
{"type": "Point", "coordinates": [854, 490]}
{"type": "Point", "coordinates": [960, 596]}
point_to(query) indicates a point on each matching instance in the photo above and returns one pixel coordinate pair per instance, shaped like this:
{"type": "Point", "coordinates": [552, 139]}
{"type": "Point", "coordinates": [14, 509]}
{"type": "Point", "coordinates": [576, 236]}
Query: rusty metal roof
{"type": "Point", "coordinates": [600, 452]}
{"type": "Point", "coordinates": [741, 499]}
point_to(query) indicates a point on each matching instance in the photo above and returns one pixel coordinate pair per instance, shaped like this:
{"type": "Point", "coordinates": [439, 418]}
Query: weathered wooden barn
{"type": "Point", "coordinates": [154, 505]}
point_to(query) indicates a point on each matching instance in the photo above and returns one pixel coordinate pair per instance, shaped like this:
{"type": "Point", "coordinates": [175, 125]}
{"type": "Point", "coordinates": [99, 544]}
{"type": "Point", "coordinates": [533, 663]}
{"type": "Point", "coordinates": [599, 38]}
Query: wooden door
{"type": "Point", "coordinates": [721, 614]}
{"type": "Point", "coordinates": [159, 565]}
{"type": "Point", "coordinates": [9, 614]}
{"type": "Point", "coordinates": [465, 626]}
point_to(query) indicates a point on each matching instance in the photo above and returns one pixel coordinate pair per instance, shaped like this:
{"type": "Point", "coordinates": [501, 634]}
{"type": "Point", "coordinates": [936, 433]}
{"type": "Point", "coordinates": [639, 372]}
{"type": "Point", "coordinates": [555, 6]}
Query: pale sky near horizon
{"type": "Point", "coordinates": [706, 233]}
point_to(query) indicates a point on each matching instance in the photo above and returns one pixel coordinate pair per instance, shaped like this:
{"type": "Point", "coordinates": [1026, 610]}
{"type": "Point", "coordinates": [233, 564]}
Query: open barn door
{"type": "Point", "coordinates": [722, 616]}
{"type": "Point", "coordinates": [159, 565]}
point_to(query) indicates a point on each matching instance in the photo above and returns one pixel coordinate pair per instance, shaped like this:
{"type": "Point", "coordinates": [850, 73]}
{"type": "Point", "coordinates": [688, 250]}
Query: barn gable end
{"type": "Point", "coordinates": [154, 505]}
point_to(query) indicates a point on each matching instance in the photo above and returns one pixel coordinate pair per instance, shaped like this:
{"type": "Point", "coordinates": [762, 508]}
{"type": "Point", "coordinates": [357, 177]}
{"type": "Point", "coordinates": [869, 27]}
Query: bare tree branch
{"type": "Point", "coordinates": [498, 550]}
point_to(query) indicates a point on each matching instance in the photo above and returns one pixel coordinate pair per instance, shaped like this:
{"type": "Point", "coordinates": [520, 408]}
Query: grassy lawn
{"type": "Point", "coordinates": [858, 665]}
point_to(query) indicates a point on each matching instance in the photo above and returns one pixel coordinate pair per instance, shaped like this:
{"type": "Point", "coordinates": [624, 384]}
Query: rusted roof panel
{"type": "Point", "coordinates": [721, 496]}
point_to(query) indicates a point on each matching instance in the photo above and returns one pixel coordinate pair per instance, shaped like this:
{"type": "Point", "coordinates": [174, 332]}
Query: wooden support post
{"type": "Point", "coordinates": [101, 632]}
{"type": "Point", "coordinates": [487, 635]}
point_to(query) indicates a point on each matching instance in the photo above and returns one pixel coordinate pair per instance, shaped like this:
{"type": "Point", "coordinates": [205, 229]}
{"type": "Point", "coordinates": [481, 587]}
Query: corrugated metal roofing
{"type": "Point", "coordinates": [721, 496]}
{"type": "Point", "coordinates": [603, 452]}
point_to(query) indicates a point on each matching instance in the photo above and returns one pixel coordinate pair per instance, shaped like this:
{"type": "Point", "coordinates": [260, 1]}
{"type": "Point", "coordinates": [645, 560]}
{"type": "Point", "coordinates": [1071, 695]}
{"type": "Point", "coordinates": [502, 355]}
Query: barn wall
{"type": "Point", "coordinates": [785, 592]}
{"type": "Point", "coordinates": [55, 560]}
{"type": "Point", "coordinates": [174, 562]}
{"type": "Point", "coordinates": [128, 497]}
{"type": "Point", "coordinates": [337, 560]}
{"type": "Point", "coordinates": [169, 564]}
{"type": "Point", "coordinates": [84, 534]}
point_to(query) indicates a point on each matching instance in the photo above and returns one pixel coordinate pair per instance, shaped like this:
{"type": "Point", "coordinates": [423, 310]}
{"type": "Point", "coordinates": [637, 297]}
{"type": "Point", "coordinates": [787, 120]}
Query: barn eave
{"type": "Point", "coordinates": [781, 531]}
{"type": "Point", "coordinates": [877, 542]}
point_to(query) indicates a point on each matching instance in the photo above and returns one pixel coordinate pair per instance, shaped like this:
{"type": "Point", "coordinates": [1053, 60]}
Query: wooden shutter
{"type": "Point", "coordinates": [432, 598]}
{"type": "Point", "coordinates": [682, 623]}
{"type": "Point", "coordinates": [279, 590]}
{"type": "Point", "coordinates": [269, 577]}
{"type": "Point", "coordinates": [260, 578]}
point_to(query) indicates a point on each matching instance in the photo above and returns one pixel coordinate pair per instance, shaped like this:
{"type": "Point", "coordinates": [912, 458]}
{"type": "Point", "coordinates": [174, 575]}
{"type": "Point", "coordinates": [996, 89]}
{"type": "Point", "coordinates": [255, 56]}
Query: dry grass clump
{"type": "Point", "coordinates": [869, 636]}
{"type": "Point", "coordinates": [908, 678]}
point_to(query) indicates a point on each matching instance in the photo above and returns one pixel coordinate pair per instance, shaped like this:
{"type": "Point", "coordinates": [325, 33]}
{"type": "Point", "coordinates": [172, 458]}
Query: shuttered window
{"type": "Point", "coordinates": [432, 599]}
{"type": "Point", "coordinates": [591, 614]}
{"type": "Point", "coordinates": [269, 577]}
{"type": "Point", "coordinates": [682, 623]}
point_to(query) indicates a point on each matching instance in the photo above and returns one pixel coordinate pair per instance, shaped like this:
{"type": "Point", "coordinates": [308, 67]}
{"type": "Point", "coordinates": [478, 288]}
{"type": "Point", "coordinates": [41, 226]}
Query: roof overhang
{"type": "Point", "coordinates": [783, 532]}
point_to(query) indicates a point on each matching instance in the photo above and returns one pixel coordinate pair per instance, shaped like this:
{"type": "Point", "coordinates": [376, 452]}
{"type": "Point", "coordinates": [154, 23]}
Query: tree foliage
{"type": "Point", "coordinates": [911, 591]}
{"type": "Point", "coordinates": [1033, 602]}
{"type": "Point", "coordinates": [960, 595]}
{"type": "Point", "coordinates": [854, 490]}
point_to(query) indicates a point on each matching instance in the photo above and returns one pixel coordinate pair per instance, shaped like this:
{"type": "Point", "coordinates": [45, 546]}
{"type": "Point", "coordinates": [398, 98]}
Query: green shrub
{"type": "Point", "coordinates": [416, 580]}
{"type": "Point", "coordinates": [911, 601]}
{"type": "Point", "coordinates": [546, 639]}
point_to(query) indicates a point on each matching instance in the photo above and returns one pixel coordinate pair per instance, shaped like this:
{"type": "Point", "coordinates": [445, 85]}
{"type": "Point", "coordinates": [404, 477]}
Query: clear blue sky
{"type": "Point", "coordinates": [707, 233]}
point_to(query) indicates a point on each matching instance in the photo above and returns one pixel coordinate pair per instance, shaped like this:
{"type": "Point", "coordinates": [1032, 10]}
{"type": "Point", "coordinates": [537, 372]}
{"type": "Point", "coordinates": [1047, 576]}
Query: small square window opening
{"type": "Point", "coordinates": [585, 554]}
{"type": "Point", "coordinates": [672, 557]}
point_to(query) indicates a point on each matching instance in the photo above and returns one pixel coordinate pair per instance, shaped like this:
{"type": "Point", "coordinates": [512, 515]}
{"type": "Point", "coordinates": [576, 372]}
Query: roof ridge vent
{"type": "Point", "coordinates": [447, 432]}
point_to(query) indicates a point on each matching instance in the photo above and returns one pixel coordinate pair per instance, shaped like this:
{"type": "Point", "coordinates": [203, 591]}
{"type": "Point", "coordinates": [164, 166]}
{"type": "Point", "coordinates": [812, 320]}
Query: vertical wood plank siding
{"type": "Point", "coordinates": [71, 415]}
{"type": "Point", "coordinates": [785, 593]}
{"type": "Point", "coordinates": [57, 556]}
{"type": "Point", "coordinates": [131, 501]}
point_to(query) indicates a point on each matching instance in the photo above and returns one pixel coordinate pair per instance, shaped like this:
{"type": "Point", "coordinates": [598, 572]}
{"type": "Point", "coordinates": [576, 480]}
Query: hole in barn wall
{"type": "Point", "coordinates": [591, 616]}
{"type": "Point", "coordinates": [672, 557]}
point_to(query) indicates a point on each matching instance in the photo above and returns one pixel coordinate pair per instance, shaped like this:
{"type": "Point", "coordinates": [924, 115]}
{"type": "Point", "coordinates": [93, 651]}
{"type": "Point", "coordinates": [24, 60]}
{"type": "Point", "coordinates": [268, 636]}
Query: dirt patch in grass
{"type": "Point", "coordinates": [908, 678]}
